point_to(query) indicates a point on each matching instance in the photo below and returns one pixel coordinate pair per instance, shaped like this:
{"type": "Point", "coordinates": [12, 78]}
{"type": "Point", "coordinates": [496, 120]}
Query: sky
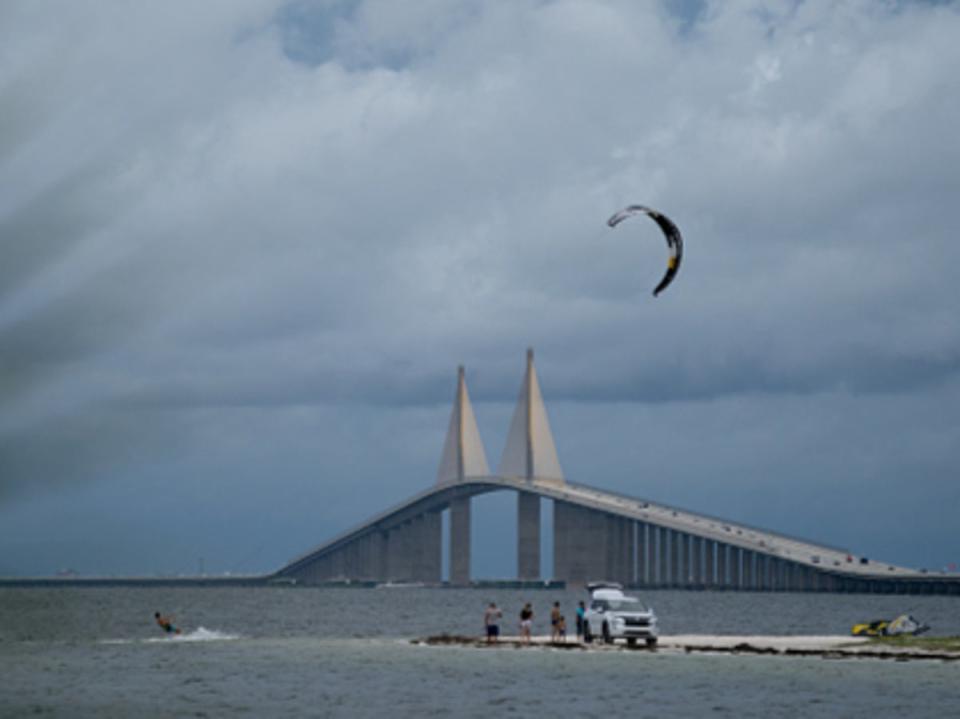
{"type": "Point", "coordinates": [244, 245]}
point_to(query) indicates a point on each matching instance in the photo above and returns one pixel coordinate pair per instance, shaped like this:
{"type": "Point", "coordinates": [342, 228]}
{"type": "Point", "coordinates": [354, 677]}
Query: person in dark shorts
{"type": "Point", "coordinates": [165, 623]}
{"type": "Point", "coordinates": [491, 618]}
{"type": "Point", "coordinates": [555, 622]}
{"type": "Point", "coordinates": [581, 610]}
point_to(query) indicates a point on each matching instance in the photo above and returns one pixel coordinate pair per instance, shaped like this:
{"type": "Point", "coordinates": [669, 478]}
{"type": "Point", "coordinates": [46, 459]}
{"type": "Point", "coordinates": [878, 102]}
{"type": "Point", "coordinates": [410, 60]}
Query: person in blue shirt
{"type": "Point", "coordinates": [581, 610]}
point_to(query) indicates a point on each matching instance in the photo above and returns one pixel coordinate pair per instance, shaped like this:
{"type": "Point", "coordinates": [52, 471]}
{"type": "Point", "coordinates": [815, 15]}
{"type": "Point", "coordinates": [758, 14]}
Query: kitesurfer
{"type": "Point", "coordinates": [165, 623]}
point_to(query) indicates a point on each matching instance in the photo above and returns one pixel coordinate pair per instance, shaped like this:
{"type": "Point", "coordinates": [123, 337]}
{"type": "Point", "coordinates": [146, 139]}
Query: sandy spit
{"type": "Point", "coordinates": [826, 646]}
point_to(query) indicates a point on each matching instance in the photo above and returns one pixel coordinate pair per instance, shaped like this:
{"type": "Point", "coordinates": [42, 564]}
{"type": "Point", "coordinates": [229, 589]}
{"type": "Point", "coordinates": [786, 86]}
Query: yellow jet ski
{"type": "Point", "coordinates": [904, 624]}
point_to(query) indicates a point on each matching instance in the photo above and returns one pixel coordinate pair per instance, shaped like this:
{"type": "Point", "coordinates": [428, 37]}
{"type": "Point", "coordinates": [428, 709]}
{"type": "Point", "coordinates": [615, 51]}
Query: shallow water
{"type": "Point", "coordinates": [344, 652]}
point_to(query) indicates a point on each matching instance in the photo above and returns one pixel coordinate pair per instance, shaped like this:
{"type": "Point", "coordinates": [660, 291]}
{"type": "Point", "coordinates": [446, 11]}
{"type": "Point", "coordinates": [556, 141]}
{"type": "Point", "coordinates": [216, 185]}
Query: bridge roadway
{"type": "Point", "coordinates": [601, 535]}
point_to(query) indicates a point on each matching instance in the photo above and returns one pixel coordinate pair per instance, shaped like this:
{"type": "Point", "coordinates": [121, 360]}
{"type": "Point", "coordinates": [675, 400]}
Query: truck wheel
{"type": "Point", "coordinates": [651, 642]}
{"type": "Point", "coordinates": [632, 641]}
{"type": "Point", "coordinates": [606, 634]}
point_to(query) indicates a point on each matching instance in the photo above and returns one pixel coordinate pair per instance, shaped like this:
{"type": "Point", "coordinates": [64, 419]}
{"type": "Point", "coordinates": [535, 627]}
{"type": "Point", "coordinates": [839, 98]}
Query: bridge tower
{"type": "Point", "coordinates": [463, 457]}
{"type": "Point", "coordinates": [463, 453]}
{"type": "Point", "coordinates": [530, 454]}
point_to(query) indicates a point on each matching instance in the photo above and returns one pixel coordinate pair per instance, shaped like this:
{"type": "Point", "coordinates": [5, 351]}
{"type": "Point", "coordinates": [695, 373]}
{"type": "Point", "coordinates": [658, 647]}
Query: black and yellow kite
{"type": "Point", "coordinates": [670, 232]}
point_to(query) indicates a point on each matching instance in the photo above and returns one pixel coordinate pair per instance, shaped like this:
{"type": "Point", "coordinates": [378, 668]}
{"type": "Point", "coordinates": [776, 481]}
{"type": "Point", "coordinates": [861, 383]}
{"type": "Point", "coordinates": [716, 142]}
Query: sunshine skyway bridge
{"type": "Point", "coordinates": [597, 535]}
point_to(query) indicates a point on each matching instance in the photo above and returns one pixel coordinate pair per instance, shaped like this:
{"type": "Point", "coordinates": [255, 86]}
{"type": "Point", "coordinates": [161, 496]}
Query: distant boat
{"type": "Point", "coordinates": [283, 580]}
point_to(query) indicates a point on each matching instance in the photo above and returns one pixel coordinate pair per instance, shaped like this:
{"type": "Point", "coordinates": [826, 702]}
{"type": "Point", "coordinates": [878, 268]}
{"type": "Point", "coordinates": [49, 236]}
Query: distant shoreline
{"type": "Point", "coordinates": [41, 582]}
{"type": "Point", "coordinates": [260, 580]}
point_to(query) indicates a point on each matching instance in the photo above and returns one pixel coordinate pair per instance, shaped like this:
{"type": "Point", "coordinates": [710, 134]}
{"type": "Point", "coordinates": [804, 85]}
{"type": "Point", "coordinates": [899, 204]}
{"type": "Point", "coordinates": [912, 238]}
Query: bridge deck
{"type": "Point", "coordinates": [802, 552]}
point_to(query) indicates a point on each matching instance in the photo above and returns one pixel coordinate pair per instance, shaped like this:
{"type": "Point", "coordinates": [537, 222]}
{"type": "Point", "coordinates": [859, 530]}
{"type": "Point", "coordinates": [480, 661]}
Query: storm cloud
{"type": "Point", "coordinates": [244, 246]}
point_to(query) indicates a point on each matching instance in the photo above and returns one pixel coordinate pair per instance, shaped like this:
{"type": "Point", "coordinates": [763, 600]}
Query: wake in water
{"type": "Point", "coordinates": [200, 634]}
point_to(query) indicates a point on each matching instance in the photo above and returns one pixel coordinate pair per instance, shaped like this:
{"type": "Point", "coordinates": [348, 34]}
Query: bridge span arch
{"type": "Point", "coordinates": [599, 535]}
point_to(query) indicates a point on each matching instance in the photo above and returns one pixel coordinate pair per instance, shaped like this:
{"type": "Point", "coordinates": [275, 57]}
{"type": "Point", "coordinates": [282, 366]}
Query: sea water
{"type": "Point", "coordinates": [284, 651]}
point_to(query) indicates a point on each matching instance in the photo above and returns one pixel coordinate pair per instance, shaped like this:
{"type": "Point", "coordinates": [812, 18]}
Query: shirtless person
{"type": "Point", "coordinates": [491, 618]}
{"type": "Point", "coordinates": [165, 623]}
{"type": "Point", "coordinates": [555, 618]}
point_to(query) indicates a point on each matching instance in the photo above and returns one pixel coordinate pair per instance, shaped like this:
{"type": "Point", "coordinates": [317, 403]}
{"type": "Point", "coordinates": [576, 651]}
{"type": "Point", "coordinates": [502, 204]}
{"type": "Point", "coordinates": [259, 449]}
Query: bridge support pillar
{"type": "Point", "coordinates": [412, 536]}
{"type": "Point", "coordinates": [460, 541]}
{"type": "Point", "coordinates": [642, 563]}
{"type": "Point", "coordinates": [427, 553]}
{"type": "Point", "coordinates": [696, 557]}
{"type": "Point", "coordinates": [620, 563]}
{"type": "Point", "coordinates": [353, 560]}
{"type": "Point", "coordinates": [528, 536]}
{"type": "Point", "coordinates": [709, 566]}
{"type": "Point", "coordinates": [653, 568]}
{"type": "Point", "coordinates": [653, 572]}
{"type": "Point", "coordinates": [358, 559]}
{"type": "Point", "coordinates": [674, 557]}
{"type": "Point", "coordinates": [773, 574]}
{"type": "Point", "coordinates": [336, 565]}
{"type": "Point", "coordinates": [663, 570]}
{"type": "Point", "coordinates": [561, 552]}
{"type": "Point", "coordinates": [379, 558]}
{"type": "Point", "coordinates": [763, 573]}
{"type": "Point", "coordinates": [683, 566]}
{"type": "Point", "coordinates": [580, 541]}
{"type": "Point", "coordinates": [722, 565]}
{"type": "Point", "coordinates": [736, 558]}
{"type": "Point", "coordinates": [786, 575]}
{"type": "Point", "coordinates": [398, 551]}
{"type": "Point", "coordinates": [792, 578]}
{"type": "Point", "coordinates": [611, 559]}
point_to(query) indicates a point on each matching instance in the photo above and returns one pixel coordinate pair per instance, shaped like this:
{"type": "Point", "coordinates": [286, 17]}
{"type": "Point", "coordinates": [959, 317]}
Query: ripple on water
{"type": "Point", "coordinates": [290, 652]}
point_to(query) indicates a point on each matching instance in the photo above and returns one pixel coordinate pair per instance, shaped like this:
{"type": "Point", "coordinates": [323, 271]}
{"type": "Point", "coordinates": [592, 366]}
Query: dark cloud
{"type": "Point", "coordinates": [253, 245]}
{"type": "Point", "coordinates": [78, 448]}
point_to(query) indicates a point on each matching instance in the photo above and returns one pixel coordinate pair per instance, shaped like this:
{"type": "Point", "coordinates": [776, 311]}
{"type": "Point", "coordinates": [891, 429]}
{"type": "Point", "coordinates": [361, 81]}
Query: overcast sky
{"type": "Point", "coordinates": [244, 245]}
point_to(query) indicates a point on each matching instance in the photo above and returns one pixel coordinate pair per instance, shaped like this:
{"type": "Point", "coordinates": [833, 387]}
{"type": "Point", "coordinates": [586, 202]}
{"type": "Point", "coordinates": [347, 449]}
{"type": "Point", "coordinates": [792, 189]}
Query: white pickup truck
{"type": "Point", "coordinates": [613, 615]}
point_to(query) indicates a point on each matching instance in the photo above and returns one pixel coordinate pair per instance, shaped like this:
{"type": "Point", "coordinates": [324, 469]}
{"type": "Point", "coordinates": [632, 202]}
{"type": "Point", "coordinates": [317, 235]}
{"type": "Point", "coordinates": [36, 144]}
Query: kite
{"type": "Point", "coordinates": [670, 232]}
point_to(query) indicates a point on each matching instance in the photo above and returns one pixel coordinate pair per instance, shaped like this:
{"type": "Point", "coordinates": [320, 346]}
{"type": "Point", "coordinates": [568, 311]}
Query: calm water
{"type": "Point", "coordinates": [343, 652]}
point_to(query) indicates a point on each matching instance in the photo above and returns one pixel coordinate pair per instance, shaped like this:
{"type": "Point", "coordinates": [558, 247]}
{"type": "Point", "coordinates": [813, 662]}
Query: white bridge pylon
{"type": "Point", "coordinates": [463, 454]}
{"type": "Point", "coordinates": [530, 452]}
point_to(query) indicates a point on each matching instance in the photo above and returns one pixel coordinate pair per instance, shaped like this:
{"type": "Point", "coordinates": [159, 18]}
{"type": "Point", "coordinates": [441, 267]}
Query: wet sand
{"type": "Point", "coordinates": [830, 647]}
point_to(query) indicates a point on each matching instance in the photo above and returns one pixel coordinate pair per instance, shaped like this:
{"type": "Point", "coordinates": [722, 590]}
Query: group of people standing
{"type": "Point", "coordinates": [558, 623]}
